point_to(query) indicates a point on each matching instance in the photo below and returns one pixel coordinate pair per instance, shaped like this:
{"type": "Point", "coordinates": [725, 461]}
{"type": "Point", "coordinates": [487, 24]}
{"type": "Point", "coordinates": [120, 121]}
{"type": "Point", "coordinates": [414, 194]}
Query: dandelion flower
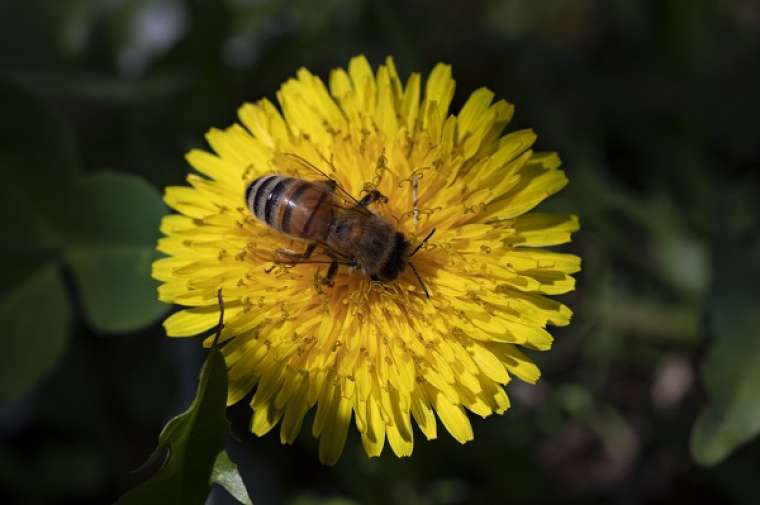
{"type": "Point", "coordinates": [380, 354]}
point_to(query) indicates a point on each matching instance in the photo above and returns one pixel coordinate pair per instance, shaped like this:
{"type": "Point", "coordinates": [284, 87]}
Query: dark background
{"type": "Point", "coordinates": [653, 107]}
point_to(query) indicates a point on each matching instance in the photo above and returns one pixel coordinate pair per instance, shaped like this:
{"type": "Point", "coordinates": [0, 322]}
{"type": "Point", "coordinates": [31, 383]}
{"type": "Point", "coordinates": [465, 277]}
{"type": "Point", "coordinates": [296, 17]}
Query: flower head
{"type": "Point", "coordinates": [378, 352]}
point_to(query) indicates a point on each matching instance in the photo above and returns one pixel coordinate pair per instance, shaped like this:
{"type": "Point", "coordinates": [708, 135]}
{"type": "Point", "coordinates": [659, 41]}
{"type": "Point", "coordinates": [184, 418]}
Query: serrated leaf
{"type": "Point", "coordinates": [226, 474]}
{"type": "Point", "coordinates": [732, 370]}
{"type": "Point", "coordinates": [113, 228]}
{"type": "Point", "coordinates": [35, 316]}
{"type": "Point", "coordinates": [191, 443]}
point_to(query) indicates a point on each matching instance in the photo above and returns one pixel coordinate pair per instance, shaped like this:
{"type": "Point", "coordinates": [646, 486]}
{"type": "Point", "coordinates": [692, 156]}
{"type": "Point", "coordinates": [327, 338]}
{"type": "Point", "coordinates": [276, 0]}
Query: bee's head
{"type": "Point", "coordinates": [398, 257]}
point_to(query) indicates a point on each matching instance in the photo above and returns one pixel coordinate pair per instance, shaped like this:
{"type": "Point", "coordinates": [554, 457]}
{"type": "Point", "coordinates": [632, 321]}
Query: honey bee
{"type": "Point", "coordinates": [323, 214]}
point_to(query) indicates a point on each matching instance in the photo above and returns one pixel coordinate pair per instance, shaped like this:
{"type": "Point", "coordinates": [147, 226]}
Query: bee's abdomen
{"type": "Point", "coordinates": [289, 205]}
{"type": "Point", "coordinates": [264, 194]}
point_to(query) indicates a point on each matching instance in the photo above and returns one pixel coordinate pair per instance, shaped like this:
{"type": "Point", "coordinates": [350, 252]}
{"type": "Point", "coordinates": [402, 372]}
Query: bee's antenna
{"type": "Point", "coordinates": [422, 244]}
{"type": "Point", "coordinates": [419, 279]}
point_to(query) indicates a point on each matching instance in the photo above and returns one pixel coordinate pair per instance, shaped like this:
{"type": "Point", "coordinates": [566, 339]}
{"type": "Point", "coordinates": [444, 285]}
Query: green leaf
{"type": "Point", "coordinates": [115, 209]}
{"type": "Point", "coordinates": [113, 227]}
{"type": "Point", "coordinates": [38, 164]}
{"type": "Point", "coordinates": [308, 499]}
{"type": "Point", "coordinates": [36, 148]}
{"type": "Point", "coordinates": [106, 226]}
{"type": "Point", "coordinates": [732, 370]}
{"type": "Point", "coordinates": [117, 291]}
{"type": "Point", "coordinates": [225, 474]}
{"type": "Point", "coordinates": [191, 442]}
{"type": "Point", "coordinates": [70, 468]}
{"type": "Point", "coordinates": [36, 317]}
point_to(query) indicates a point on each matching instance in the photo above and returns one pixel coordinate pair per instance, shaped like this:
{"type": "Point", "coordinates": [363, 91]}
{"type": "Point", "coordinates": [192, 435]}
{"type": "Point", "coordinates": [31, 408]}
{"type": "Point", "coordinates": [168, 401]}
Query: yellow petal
{"type": "Point", "coordinates": [264, 419]}
{"type": "Point", "coordinates": [189, 202]}
{"type": "Point", "coordinates": [190, 322]}
{"type": "Point", "coordinates": [215, 167]}
{"type": "Point", "coordinates": [265, 123]}
{"type": "Point", "coordinates": [423, 415]}
{"type": "Point", "coordinates": [534, 188]}
{"type": "Point", "coordinates": [517, 363]}
{"type": "Point", "coordinates": [411, 102]}
{"type": "Point", "coordinates": [540, 230]}
{"type": "Point", "coordinates": [439, 90]}
{"type": "Point", "coordinates": [385, 114]}
{"type": "Point", "coordinates": [333, 437]}
{"type": "Point", "coordinates": [363, 83]}
{"type": "Point", "coordinates": [373, 437]}
{"type": "Point", "coordinates": [489, 364]}
{"type": "Point", "coordinates": [472, 111]}
{"type": "Point", "coordinates": [294, 413]}
{"type": "Point", "coordinates": [454, 419]}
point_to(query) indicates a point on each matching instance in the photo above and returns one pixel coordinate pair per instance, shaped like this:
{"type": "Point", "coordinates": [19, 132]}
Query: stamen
{"type": "Point", "coordinates": [415, 210]}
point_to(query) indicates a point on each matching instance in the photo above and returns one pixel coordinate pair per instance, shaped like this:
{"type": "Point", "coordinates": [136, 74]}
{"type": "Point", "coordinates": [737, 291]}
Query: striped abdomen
{"type": "Point", "coordinates": [292, 206]}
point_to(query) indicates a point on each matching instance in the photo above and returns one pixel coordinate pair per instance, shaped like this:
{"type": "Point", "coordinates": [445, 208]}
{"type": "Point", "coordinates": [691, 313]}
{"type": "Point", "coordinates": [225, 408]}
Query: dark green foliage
{"type": "Point", "coordinates": [103, 227]}
{"type": "Point", "coordinates": [34, 309]}
{"type": "Point", "coordinates": [732, 369]}
{"type": "Point", "coordinates": [113, 238]}
{"type": "Point", "coordinates": [191, 447]}
{"type": "Point", "coordinates": [37, 338]}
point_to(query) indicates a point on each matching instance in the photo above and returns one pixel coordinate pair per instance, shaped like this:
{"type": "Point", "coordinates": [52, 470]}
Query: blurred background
{"type": "Point", "coordinates": [650, 396]}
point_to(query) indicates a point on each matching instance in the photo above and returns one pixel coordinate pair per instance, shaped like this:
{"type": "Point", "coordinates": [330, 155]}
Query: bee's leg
{"type": "Point", "coordinates": [332, 272]}
{"type": "Point", "coordinates": [329, 279]}
{"type": "Point", "coordinates": [371, 197]}
{"type": "Point", "coordinates": [288, 256]}
{"type": "Point", "coordinates": [309, 251]}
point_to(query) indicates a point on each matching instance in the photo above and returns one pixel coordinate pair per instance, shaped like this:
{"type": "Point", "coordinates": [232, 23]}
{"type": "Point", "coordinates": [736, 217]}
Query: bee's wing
{"type": "Point", "coordinates": [293, 162]}
{"type": "Point", "coordinates": [323, 254]}
{"type": "Point", "coordinates": [322, 259]}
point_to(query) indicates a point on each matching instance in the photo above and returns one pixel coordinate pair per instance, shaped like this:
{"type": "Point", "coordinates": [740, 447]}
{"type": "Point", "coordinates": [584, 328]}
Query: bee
{"type": "Point", "coordinates": [323, 214]}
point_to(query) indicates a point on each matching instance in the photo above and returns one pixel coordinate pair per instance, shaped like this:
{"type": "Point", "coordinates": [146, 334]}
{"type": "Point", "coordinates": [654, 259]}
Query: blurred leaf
{"type": "Point", "coordinates": [309, 499]}
{"type": "Point", "coordinates": [36, 144]}
{"type": "Point", "coordinates": [38, 165]}
{"type": "Point", "coordinates": [192, 442]}
{"type": "Point", "coordinates": [72, 468]}
{"type": "Point", "coordinates": [112, 219]}
{"type": "Point", "coordinates": [732, 370]}
{"type": "Point", "coordinates": [117, 291]}
{"type": "Point", "coordinates": [35, 315]}
{"type": "Point", "coordinates": [115, 209]}
{"type": "Point", "coordinates": [683, 261]}
{"type": "Point", "coordinates": [225, 473]}
{"type": "Point", "coordinates": [114, 227]}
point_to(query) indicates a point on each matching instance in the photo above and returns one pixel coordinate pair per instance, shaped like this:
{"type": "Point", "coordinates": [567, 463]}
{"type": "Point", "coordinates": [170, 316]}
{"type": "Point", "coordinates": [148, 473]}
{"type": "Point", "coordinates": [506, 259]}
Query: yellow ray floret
{"type": "Point", "coordinates": [378, 354]}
